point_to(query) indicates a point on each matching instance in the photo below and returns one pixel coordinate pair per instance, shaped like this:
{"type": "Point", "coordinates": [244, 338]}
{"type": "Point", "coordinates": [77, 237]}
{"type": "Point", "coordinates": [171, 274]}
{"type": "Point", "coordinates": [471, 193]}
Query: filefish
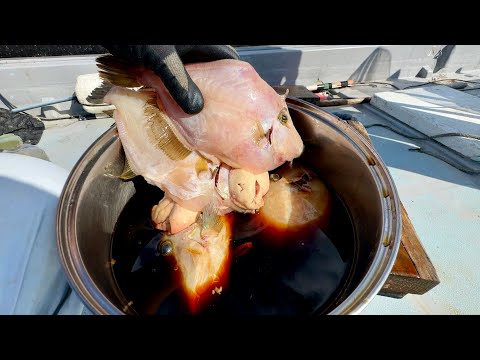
{"type": "Point", "coordinates": [190, 182]}
{"type": "Point", "coordinates": [244, 123]}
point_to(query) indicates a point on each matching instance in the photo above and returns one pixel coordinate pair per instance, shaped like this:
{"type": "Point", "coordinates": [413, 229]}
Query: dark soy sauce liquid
{"type": "Point", "coordinates": [304, 278]}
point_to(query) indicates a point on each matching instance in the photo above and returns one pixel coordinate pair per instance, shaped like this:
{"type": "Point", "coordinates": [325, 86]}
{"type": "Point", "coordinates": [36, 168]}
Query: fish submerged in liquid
{"type": "Point", "coordinates": [244, 123]}
{"type": "Point", "coordinates": [297, 201]}
{"type": "Point", "coordinates": [201, 252]}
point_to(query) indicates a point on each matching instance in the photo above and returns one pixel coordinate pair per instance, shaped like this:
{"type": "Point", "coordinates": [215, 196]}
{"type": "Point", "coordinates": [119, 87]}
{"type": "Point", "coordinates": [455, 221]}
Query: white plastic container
{"type": "Point", "coordinates": [32, 280]}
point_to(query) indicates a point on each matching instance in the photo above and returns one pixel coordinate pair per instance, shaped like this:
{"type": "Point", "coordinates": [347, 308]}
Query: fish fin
{"type": "Point", "coordinates": [257, 133]}
{"type": "Point", "coordinates": [193, 250]}
{"type": "Point", "coordinates": [127, 172]}
{"type": "Point", "coordinates": [214, 173]}
{"type": "Point", "coordinates": [284, 96]}
{"type": "Point", "coordinates": [97, 94]}
{"type": "Point", "coordinates": [201, 165]}
{"type": "Point", "coordinates": [161, 133]}
{"type": "Point", "coordinates": [117, 71]}
{"type": "Point", "coordinates": [212, 223]}
{"type": "Point", "coordinates": [242, 249]}
{"type": "Point", "coordinates": [109, 113]}
{"type": "Point", "coordinates": [146, 88]}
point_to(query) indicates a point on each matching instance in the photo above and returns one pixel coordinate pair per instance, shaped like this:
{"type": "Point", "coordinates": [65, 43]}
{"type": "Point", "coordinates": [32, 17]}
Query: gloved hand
{"type": "Point", "coordinates": [167, 62]}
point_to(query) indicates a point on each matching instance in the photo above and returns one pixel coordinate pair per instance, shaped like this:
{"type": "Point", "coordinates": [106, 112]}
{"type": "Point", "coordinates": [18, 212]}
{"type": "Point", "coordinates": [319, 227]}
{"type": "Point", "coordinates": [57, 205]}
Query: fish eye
{"type": "Point", "coordinates": [165, 248]}
{"type": "Point", "coordinates": [283, 117]}
{"type": "Point", "coordinates": [275, 177]}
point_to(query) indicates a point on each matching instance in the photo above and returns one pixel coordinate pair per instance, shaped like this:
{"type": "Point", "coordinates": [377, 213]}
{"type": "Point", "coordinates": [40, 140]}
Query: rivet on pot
{"type": "Point", "coordinates": [125, 308]}
{"type": "Point", "coordinates": [371, 160]}
{"type": "Point", "coordinates": [387, 240]}
{"type": "Point", "coordinates": [385, 192]}
{"type": "Point", "coordinates": [110, 263]}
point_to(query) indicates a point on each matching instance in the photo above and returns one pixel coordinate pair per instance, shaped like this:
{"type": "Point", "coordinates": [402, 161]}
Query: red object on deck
{"type": "Point", "coordinates": [322, 95]}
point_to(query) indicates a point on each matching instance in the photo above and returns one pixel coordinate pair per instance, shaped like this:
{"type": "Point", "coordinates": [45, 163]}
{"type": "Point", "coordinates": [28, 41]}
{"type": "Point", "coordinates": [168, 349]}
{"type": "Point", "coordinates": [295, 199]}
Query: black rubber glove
{"type": "Point", "coordinates": [167, 62]}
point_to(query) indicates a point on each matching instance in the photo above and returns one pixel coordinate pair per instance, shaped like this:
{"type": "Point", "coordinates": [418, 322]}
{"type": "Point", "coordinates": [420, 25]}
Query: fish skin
{"type": "Point", "coordinates": [235, 190]}
{"type": "Point", "coordinates": [202, 253]}
{"type": "Point", "coordinates": [189, 183]}
{"type": "Point", "coordinates": [170, 217]}
{"type": "Point", "coordinates": [241, 190]}
{"type": "Point", "coordinates": [236, 100]}
{"type": "Point", "coordinates": [178, 179]}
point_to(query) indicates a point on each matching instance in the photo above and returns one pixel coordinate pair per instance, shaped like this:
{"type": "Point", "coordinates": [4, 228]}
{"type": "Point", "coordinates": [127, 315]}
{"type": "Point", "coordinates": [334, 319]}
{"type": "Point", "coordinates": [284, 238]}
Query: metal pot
{"type": "Point", "coordinates": [93, 199]}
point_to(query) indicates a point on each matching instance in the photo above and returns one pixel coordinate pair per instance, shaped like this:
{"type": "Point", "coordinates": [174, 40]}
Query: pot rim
{"type": "Point", "coordinates": [77, 274]}
{"type": "Point", "coordinates": [386, 254]}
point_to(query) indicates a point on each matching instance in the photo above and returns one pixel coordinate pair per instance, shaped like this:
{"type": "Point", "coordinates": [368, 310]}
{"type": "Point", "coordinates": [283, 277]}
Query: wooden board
{"type": "Point", "coordinates": [413, 272]}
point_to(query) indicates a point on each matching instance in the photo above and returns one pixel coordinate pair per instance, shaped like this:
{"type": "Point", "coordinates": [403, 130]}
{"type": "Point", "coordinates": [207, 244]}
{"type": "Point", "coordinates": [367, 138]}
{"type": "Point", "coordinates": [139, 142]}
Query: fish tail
{"type": "Point", "coordinates": [97, 94]}
{"type": "Point", "coordinates": [117, 71]}
{"type": "Point", "coordinates": [113, 72]}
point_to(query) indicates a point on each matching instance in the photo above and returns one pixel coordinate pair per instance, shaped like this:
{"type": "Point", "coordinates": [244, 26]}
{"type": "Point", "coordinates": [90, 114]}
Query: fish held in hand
{"type": "Point", "coordinates": [244, 123]}
{"type": "Point", "coordinates": [152, 150]}
{"type": "Point", "coordinates": [189, 181]}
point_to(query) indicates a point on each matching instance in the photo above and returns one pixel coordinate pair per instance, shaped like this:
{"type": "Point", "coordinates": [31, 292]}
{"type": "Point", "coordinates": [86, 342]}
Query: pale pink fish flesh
{"type": "Point", "coordinates": [244, 122]}
{"type": "Point", "coordinates": [188, 187]}
{"type": "Point", "coordinates": [178, 179]}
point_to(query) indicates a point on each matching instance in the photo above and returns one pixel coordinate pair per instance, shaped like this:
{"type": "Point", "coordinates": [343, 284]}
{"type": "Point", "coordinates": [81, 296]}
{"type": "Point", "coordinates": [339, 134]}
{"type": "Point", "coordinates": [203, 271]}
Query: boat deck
{"type": "Point", "coordinates": [443, 201]}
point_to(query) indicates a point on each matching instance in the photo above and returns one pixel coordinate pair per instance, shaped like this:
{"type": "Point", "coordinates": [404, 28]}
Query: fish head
{"type": "Point", "coordinates": [273, 138]}
{"type": "Point", "coordinates": [202, 255]}
{"type": "Point", "coordinates": [284, 137]}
